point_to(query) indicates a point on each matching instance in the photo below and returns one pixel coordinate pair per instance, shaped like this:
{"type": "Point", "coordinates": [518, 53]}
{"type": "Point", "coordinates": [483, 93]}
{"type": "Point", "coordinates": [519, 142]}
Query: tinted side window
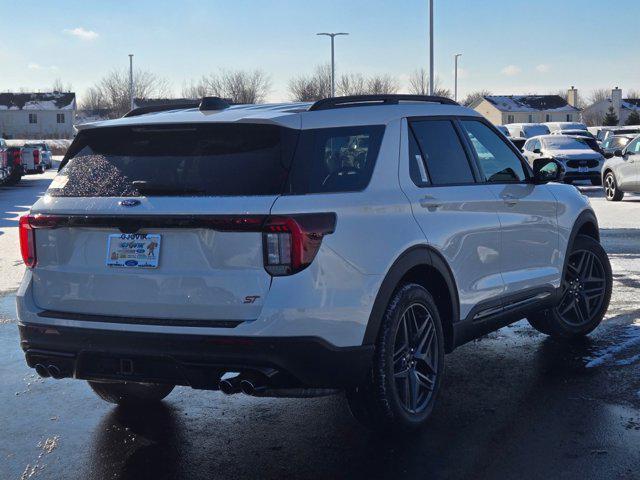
{"type": "Point", "coordinates": [335, 159]}
{"type": "Point", "coordinates": [442, 151]}
{"type": "Point", "coordinates": [634, 146]}
{"type": "Point", "coordinates": [497, 161]}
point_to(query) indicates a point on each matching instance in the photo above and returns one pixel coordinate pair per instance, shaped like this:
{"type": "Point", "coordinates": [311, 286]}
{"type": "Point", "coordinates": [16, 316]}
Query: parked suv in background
{"type": "Point", "coordinates": [621, 172]}
{"type": "Point", "coordinates": [46, 157]}
{"type": "Point", "coordinates": [575, 154]}
{"type": "Point", "coordinates": [299, 250]}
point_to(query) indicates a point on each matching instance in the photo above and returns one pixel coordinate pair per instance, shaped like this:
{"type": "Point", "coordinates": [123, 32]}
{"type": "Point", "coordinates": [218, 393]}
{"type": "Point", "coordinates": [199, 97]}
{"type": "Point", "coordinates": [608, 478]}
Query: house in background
{"type": "Point", "coordinates": [37, 115]}
{"type": "Point", "coordinates": [594, 113]}
{"type": "Point", "coordinates": [503, 109]}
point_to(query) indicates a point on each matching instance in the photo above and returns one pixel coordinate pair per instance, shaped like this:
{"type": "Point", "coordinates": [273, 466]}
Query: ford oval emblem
{"type": "Point", "coordinates": [130, 203]}
{"type": "Point", "coordinates": [131, 263]}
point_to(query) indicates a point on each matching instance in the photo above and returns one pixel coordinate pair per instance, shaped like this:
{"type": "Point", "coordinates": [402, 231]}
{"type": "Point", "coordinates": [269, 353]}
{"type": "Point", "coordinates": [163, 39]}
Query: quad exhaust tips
{"type": "Point", "coordinates": [48, 371]}
{"type": "Point", "coordinates": [229, 386]}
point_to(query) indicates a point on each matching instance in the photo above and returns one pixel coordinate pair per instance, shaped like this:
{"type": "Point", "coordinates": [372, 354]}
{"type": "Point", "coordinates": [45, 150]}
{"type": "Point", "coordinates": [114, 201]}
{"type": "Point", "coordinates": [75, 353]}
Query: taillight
{"type": "Point", "coordinates": [27, 241]}
{"type": "Point", "coordinates": [292, 242]}
{"type": "Point", "coordinates": [36, 157]}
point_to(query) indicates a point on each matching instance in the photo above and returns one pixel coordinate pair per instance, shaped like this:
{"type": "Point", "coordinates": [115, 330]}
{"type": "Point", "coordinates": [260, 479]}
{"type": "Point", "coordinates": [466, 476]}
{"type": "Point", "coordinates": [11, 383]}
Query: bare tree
{"type": "Point", "coordinates": [58, 86]}
{"type": "Point", "coordinates": [352, 84]}
{"type": "Point", "coordinates": [112, 91]}
{"type": "Point", "coordinates": [196, 89]}
{"type": "Point", "coordinates": [93, 99]}
{"type": "Point", "coordinates": [472, 97]}
{"type": "Point", "coordinates": [380, 84]}
{"type": "Point", "coordinates": [633, 93]}
{"type": "Point", "coordinates": [598, 94]}
{"type": "Point", "coordinates": [309, 88]}
{"type": "Point", "coordinates": [419, 84]}
{"type": "Point", "coordinates": [241, 86]}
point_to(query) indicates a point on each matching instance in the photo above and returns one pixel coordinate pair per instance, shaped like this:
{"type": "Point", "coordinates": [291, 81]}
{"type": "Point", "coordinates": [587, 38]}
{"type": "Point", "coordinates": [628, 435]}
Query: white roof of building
{"type": "Point", "coordinates": [529, 103]}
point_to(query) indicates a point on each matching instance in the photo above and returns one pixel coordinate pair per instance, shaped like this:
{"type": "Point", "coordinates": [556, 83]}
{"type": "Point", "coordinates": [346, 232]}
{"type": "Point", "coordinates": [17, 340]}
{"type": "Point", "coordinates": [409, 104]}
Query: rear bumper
{"type": "Point", "coordinates": [196, 361]}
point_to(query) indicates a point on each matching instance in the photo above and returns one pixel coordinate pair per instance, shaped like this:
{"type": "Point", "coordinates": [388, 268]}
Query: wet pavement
{"type": "Point", "coordinates": [514, 404]}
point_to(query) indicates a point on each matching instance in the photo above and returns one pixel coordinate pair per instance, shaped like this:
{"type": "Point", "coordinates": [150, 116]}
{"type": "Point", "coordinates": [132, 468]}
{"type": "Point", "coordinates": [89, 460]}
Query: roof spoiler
{"type": "Point", "coordinates": [387, 99]}
{"type": "Point", "coordinates": [159, 108]}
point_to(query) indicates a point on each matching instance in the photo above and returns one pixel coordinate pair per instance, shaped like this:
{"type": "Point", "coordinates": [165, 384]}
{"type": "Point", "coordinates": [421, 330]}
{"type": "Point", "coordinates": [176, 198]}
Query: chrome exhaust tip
{"type": "Point", "coordinates": [229, 386]}
{"type": "Point", "coordinates": [54, 372]}
{"type": "Point", "coordinates": [42, 370]}
{"type": "Point", "coordinates": [250, 386]}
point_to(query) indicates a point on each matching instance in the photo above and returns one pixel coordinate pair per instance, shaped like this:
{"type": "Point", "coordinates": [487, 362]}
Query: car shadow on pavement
{"type": "Point", "coordinates": [19, 199]}
{"type": "Point", "coordinates": [519, 405]}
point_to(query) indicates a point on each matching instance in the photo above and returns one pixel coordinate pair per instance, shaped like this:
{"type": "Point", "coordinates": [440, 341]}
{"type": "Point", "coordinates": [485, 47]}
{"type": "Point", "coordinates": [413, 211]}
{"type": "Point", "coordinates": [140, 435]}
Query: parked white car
{"type": "Point", "coordinates": [579, 159]}
{"type": "Point", "coordinates": [298, 250]}
{"type": "Point", "coordinates": [46, 157]}
{"type": "Point", "coordinates": [527, 130]}
{"type": "Point", "coordinates": [32, 160]}
{"type": "Point", "coordinates": [553, 126]}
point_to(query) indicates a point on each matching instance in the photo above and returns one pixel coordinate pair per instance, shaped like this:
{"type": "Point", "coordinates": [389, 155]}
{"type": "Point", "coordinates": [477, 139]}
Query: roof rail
{"type": "Point", "coordinates": [364, 100]}
{"type": "Point", "coordinates": [159, 108]}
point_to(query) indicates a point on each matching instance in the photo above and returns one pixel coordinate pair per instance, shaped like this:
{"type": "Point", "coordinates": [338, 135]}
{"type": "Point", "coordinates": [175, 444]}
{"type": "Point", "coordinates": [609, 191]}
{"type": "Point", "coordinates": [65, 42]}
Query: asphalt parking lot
{"type": "Point", "coordinates": [514, 404]}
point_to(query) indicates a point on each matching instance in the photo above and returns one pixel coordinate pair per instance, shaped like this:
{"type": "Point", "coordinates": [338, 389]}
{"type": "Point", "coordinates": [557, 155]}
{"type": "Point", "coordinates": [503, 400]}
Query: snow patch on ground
{"type": "Point", "coordinates": [630, 338]}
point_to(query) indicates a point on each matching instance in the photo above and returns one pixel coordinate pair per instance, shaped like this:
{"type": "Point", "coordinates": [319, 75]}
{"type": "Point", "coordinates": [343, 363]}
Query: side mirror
{"type": "Point", "coordinates": [608, 155]}
{"type": "Point", "coordinates": [547, 170]}
{"type": "Point", "coordinates": [537, 150]}
{"type": "Point", "coordinates": [617, 153]}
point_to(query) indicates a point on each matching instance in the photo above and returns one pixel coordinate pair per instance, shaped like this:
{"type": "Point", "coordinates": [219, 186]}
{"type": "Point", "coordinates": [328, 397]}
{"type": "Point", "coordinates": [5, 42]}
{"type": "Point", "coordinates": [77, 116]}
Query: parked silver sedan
{"type": "Point", "coordinates": [621, 173]}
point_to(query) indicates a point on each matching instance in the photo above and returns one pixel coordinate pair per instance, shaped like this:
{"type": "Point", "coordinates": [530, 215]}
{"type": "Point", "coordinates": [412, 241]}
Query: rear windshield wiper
{"type": "Point", "coordinates": [145, 187]}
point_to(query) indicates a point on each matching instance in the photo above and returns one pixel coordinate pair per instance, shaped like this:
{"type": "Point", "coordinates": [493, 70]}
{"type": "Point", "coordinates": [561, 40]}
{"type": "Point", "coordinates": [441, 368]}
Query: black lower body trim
{"type": "Point", "coordinates": [194, 360]}
{"type": "Point", "coordinates": [141, 320]}
{"type": "Point", "coordinates": [494, 314]}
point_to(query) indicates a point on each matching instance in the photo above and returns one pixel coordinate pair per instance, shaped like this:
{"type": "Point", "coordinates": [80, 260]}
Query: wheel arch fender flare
{"type": "Point", "coordinates": [416, 256]}
{"type": "Point", "coordinates": [585, 224]}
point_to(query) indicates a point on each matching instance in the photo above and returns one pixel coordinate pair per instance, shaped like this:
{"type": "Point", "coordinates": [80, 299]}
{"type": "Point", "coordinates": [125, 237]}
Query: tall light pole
{"type": "Point", "coordinates": [333, 59]}
{"type": "Point", "coordinates": [131, 80]}
{"type": "Point", "coordinates": [455, 89]}
{"type": "Point", "coordinates": [431, 77]}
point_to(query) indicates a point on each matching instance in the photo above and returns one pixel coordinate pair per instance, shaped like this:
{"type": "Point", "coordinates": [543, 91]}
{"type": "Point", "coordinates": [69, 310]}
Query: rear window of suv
{"type": "Point", "coordinates": [186, 159]}
{"type": "Point", "coordinates": [217, 160]}
{"type": "Point", "coordinates": [335, 159]}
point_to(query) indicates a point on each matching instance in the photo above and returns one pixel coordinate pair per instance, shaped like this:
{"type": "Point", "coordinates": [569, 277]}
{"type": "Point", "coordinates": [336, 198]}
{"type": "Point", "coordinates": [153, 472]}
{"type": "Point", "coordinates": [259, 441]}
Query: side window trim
{"type": "Point", "coordinates": [475, 173]}
{"type": "Point", "coordinates": [476, 160]}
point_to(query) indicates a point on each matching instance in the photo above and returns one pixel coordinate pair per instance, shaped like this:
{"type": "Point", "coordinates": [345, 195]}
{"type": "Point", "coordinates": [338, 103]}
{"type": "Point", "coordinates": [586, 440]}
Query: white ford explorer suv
{"type": "Point", "coordinates": [299, 250]}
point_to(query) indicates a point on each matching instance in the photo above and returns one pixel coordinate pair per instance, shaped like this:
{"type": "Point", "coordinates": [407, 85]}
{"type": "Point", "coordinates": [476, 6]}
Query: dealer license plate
{"type": "Point", "coordinates": [133, 250]}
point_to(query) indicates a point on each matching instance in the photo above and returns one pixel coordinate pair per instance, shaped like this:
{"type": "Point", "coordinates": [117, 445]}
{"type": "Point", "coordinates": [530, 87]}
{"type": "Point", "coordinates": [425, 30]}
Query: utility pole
{"type": "Point", "coordinates": [431, 77]}
{"type": "Point", "coordinates": [455, 89]}
{"type": "Point", "coordinates": [131, 81]}
{"type": "Point", "coordinates": [333, 59]}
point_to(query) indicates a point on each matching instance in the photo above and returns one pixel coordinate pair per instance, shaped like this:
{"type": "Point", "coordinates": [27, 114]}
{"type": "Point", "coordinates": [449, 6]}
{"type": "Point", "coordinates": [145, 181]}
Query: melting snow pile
{"type": "Point", "coordinates": [630, 339]}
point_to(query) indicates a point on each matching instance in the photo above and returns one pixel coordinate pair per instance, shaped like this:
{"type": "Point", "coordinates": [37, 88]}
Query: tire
{"type": "Point", "coordinates": [611, 190]}
{"type": "Point", "coordinates": [129, 393]}
{"type": "Point", "coordinates": [586, 291]}
{"type": "Point", "coordinates": [411, 332]}
{"type": "Point", "coordinates": [596, 182]}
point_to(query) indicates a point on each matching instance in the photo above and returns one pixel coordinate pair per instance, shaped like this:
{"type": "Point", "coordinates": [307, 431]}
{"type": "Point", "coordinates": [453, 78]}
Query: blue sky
{"type": "Point", "coordinates": [508, 46]}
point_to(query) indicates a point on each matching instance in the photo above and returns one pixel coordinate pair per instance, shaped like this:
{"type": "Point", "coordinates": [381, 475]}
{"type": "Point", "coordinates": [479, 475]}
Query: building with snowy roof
{"type": "Point", "coordinates": [622, 107]}
{"type": "Point", "coordinates": [503, 109]}
{"type": "Point", "coordinates": [37, 115]}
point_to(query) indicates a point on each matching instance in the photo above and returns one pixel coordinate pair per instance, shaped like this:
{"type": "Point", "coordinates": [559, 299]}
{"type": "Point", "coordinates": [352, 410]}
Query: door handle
{"type": "Point", "coordinates": [430, 203]}
{"type": "Point", "coordinates": [509, 199]}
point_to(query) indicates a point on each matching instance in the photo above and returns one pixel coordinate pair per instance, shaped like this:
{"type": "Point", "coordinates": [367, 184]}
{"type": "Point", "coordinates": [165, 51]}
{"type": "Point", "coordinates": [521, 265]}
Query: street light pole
{"type": "Point", "coordinates": [455, 89]}
{"type": "Point", "coordinates": [333, 59]}
{"type": "Point", "coordinates": [131, 80]}
{"type": "Point", "coordinates": [431, 77]}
